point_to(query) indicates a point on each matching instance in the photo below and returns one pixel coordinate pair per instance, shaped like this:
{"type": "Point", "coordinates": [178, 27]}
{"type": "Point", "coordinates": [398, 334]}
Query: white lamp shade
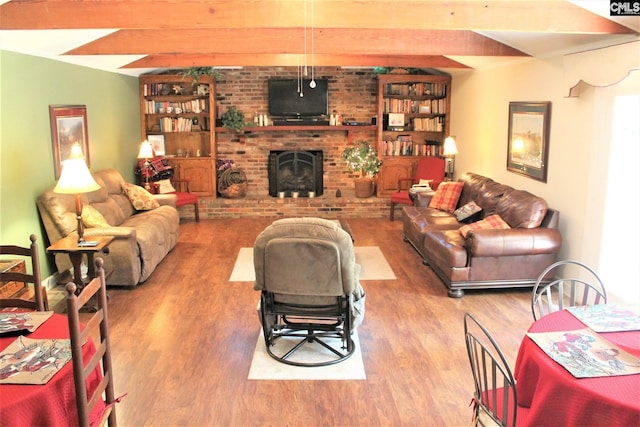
{"type": "Point", "coordinates": [450, 148]}
{"type": "Point", "coordinates": [75, 178]}
{"type": "Point", "coordinates": [146, 150]}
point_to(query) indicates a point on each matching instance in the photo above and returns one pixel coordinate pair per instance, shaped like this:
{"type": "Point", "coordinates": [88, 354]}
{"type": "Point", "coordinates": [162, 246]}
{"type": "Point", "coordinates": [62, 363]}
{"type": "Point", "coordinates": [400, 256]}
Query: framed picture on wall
{"type": "Point", "coordinates": [68, 126]}
{"type": "Point", "coordinates": [528, 139]}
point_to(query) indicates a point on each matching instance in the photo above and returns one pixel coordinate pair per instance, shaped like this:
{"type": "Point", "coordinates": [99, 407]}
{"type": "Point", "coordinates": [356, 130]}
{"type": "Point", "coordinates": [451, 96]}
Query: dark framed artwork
{"type": "Point", "coordinates": [68, 126]}
{"type": "Point", "coordinates": [528, 146]}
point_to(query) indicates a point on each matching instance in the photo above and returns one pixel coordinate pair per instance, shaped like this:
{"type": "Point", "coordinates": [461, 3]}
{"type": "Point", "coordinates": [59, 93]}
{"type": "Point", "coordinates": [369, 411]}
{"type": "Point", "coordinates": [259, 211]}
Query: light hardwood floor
{"type": "Point", "coordinates": [183, 341]}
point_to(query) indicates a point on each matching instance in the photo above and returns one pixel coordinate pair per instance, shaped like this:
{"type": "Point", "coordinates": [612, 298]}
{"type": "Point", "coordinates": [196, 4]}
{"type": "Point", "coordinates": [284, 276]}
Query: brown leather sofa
{"type": "Point", "coordinates": [489, 258]}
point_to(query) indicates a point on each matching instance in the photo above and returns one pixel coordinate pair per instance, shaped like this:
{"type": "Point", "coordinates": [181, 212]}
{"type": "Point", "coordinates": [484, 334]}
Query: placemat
{"type": "Point", "coordinates": [607, 317]}
{"type": "Point", "coordinates": [586, 354]}
{"type": "Point", "coordinates": [33, 361]}
{"type": "Point", "coordinates": [13, 321]}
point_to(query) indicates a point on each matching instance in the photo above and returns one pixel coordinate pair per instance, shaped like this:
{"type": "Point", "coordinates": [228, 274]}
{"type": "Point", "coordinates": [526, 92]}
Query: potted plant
{"type": "Point", "coordinates": [233, 119]}
{"type": "Point", "coordinates": [362, 158]}
{"type": "Point", "coordinates": [194, 73]}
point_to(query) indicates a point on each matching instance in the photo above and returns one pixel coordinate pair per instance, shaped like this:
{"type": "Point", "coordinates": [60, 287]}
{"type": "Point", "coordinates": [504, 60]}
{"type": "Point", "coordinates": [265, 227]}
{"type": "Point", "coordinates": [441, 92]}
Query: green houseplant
{"type": "Point", "coordinates": [194, 73]}
{"type": "Point", "coordinates": [363, 159]}
{"type": "Point", "coordinates": [233, 119]}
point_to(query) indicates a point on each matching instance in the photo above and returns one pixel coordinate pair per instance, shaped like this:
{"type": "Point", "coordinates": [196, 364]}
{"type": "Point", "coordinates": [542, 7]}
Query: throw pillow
{"type": "Point", "coordinates": [92, 218]}
{"type": "Point", "coordinates": [140, 198]}
{"type": "Point", "coordinates": [165, 187]}
{"type": "Point", "coordinates": [468, 213]}
{"type": "Point", "coordinates": [446, 196]}
{"type": "Point", "coordinates": [492, 222]}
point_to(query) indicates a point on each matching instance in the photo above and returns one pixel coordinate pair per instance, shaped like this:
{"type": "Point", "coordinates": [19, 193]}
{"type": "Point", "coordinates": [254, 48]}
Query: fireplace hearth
{"type": "Point", "coordinates": [295, 171]}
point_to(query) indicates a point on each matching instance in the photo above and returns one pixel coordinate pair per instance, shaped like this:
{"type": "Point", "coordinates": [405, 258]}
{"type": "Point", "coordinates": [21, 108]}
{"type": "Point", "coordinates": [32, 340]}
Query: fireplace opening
{"type": "Point", "coordinates": [295, 171]}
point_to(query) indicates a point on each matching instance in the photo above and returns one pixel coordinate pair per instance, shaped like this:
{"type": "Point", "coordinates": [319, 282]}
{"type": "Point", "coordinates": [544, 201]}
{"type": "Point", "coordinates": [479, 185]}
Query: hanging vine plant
{"type": "Point", "coordinates": [194, 73]}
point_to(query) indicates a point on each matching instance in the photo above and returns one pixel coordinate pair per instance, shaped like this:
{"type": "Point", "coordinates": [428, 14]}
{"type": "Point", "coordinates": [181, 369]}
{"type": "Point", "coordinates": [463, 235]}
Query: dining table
{"type": "Point", "coordinates": [555, 397]}
{"type": "Point", "coordinates": [53, 403]}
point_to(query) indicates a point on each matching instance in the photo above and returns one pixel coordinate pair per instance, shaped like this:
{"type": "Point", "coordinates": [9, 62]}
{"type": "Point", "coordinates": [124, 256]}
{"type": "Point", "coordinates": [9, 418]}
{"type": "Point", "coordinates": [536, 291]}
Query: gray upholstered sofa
{"type": "Point", "coordinates": [487, 258]}
{"type": "Point", "coordinates": [142, 238]}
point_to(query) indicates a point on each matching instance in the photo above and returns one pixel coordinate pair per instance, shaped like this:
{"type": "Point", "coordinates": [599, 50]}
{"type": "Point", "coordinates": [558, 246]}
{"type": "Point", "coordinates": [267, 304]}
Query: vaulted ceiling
{"type": "Point", "coordinates": [136, 36]}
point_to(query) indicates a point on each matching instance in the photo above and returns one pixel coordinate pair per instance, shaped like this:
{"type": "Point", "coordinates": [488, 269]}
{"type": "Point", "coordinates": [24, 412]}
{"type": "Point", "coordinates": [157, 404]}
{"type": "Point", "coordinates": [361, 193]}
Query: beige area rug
{"type": "Point", "coordinates": [264, 367]}
{"type": "Point", "coordinates": [374, 265]}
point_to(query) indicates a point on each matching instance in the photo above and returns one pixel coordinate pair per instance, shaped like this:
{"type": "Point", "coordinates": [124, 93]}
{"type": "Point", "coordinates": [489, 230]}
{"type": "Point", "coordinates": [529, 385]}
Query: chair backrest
{"type": "Point", "coordinates": [495, 392]}
{"type": "Point", "coordinates": [579, 285]}
{"type": "Point", "coordinates": [79, 336]}
{"type": "Point", "coordinates": [30, 254]}
{"type": "Point", "coordinates": [305, 256]}
{"type": "Point", "coordinates": [430, 167]}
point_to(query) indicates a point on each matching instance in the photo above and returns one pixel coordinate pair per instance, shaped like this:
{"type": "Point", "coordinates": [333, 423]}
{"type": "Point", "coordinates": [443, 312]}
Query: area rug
{"type": "Point", "coordinates": [374, 265]}
{"type": "Point", "coordinates": [264, 367]}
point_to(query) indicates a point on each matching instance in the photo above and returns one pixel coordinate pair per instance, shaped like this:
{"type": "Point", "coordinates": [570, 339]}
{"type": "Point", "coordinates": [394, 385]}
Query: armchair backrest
{"type": "Point", "coordinates": [305, 256]}
{"type": "Point", "coordinates": [430, 167]}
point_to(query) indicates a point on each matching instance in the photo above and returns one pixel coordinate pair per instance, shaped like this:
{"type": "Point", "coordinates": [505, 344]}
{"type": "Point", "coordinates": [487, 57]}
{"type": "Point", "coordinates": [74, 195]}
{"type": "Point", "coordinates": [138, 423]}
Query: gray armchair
{"type": "Point", "coordinates": [310, 290]}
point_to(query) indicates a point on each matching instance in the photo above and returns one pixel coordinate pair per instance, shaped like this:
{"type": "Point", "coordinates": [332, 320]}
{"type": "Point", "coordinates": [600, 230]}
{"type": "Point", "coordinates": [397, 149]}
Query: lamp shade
{"type": "Point", "coordinates": [75, 178]}
{"type": "Point", "coordinates": [146, 150]}
{"type": "Point", "coordinates": [450, 148]}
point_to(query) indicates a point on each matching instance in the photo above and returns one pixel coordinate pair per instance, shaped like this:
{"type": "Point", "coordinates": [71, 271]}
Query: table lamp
{"type": "Point", "coordinates": [449, 153]}
{"type": "Point", "coordinates": [75, 179]}
{"type": "Point", "coordinates": [146, 152]}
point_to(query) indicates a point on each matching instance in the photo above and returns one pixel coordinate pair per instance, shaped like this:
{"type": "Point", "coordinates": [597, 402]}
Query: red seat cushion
{"type": "Point", "coordinates": [185, 198]}
{"type": "Point", "coordinates": [401, 197]}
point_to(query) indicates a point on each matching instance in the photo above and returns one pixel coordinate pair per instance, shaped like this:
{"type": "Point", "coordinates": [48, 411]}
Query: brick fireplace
{"type": "Point", "coordinates": [295, 171]}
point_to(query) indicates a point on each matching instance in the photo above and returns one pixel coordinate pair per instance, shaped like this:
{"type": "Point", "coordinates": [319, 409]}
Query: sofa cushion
{"type": "Point", "coordinates": [140, 198]}
{"type": "Point", "coordinates": [468, 212]}
{"type": "Point", "coordinates": [92, 218]}
{"type": "Point", "coordinates": [521, 209]}
{"type": "Point", "coordinates": [473, 184]}
{"type": "Point", "coordinates": [489, 196]}
{"type": "Point", "coordinates": [446, 196]}
{"type": "Point", "coordinates": [492, 222]}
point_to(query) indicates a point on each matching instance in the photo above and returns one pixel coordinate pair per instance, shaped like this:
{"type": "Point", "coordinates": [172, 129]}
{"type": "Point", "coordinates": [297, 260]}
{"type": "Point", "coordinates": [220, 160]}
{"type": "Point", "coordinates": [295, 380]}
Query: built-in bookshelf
{"type": "Point", "coordinates": [179, 117]}
{"type": "Point", "coordinates": [413, 112]}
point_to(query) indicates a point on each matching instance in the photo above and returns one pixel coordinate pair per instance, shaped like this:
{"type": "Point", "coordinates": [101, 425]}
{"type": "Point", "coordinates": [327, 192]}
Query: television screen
{"type": "Point", "coordinates": [285, 99]}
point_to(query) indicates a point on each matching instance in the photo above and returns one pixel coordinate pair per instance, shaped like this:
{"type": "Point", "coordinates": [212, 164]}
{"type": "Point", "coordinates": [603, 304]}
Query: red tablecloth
{"type": "Point", "coordinates": [51, 404]}
{"type": "Point", "coordinates": [555, 397]}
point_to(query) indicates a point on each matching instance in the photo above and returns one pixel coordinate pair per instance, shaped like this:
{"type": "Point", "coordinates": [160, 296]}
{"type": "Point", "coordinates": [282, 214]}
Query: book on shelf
{"type": "Point", "coordinates": [432, 124]}
{"type": "Point", "coordinates": [415, 89]}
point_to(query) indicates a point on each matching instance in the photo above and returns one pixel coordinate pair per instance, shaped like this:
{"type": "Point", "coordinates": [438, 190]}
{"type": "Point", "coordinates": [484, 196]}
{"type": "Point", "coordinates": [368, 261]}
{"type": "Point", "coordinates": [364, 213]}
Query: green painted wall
{"type": "Point", "coordinates": [28, 86]}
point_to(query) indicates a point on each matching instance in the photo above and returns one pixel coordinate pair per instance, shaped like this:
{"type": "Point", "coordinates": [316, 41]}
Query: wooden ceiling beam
{"type": "Point", "coordinates": [557, 16]}
{"type": "Point", "coordinates": [292, 60]}
{"type": "Point", "coordinates": [272, 41]}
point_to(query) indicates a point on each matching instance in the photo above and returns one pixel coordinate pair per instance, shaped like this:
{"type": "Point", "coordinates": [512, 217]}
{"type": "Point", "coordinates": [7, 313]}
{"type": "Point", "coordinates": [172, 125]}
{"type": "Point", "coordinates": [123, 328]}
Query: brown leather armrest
{"type": "Point", "coordinates": [515, 241]}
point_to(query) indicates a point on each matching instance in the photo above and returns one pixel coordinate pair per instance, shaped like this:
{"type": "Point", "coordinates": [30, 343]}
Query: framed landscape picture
{"type": "Point", "coordinates": [68, 126]}
{"type": "Point", "coordinates": [528, 146]}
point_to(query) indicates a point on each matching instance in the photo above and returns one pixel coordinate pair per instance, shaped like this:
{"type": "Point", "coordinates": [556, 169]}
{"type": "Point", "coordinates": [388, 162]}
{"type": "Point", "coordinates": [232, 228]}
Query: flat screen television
{"type": "Point", "coordinates": [285, 100]}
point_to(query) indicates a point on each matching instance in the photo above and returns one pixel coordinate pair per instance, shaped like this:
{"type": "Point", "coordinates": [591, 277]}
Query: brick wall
{"type": "Point", "coordinates": [353, 93]}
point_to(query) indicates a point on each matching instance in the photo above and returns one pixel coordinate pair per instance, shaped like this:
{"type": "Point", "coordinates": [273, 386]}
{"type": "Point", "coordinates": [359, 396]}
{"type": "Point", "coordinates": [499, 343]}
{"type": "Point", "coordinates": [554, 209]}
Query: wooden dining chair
{"type": "Point", "coordinates": [30, 255]}
{"type": "Point", "coordinates": [579, 285]}
{"type": "Point", "coordinates": [79, 336]}
{"type": "Point", "coordinates": [495, 398]}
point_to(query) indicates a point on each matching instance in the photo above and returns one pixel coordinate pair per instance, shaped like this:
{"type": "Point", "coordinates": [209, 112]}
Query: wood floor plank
{"type": "Point", "coordinates": [183, 341]}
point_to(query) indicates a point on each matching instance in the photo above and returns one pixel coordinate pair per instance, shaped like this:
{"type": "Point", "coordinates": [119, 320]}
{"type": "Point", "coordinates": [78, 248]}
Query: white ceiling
{"type": "Point", "coordinates": [53, 44]}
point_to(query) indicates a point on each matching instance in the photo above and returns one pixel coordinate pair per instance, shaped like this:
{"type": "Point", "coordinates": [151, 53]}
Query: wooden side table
{"type": "Point", "coordinates": [69, 246]}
